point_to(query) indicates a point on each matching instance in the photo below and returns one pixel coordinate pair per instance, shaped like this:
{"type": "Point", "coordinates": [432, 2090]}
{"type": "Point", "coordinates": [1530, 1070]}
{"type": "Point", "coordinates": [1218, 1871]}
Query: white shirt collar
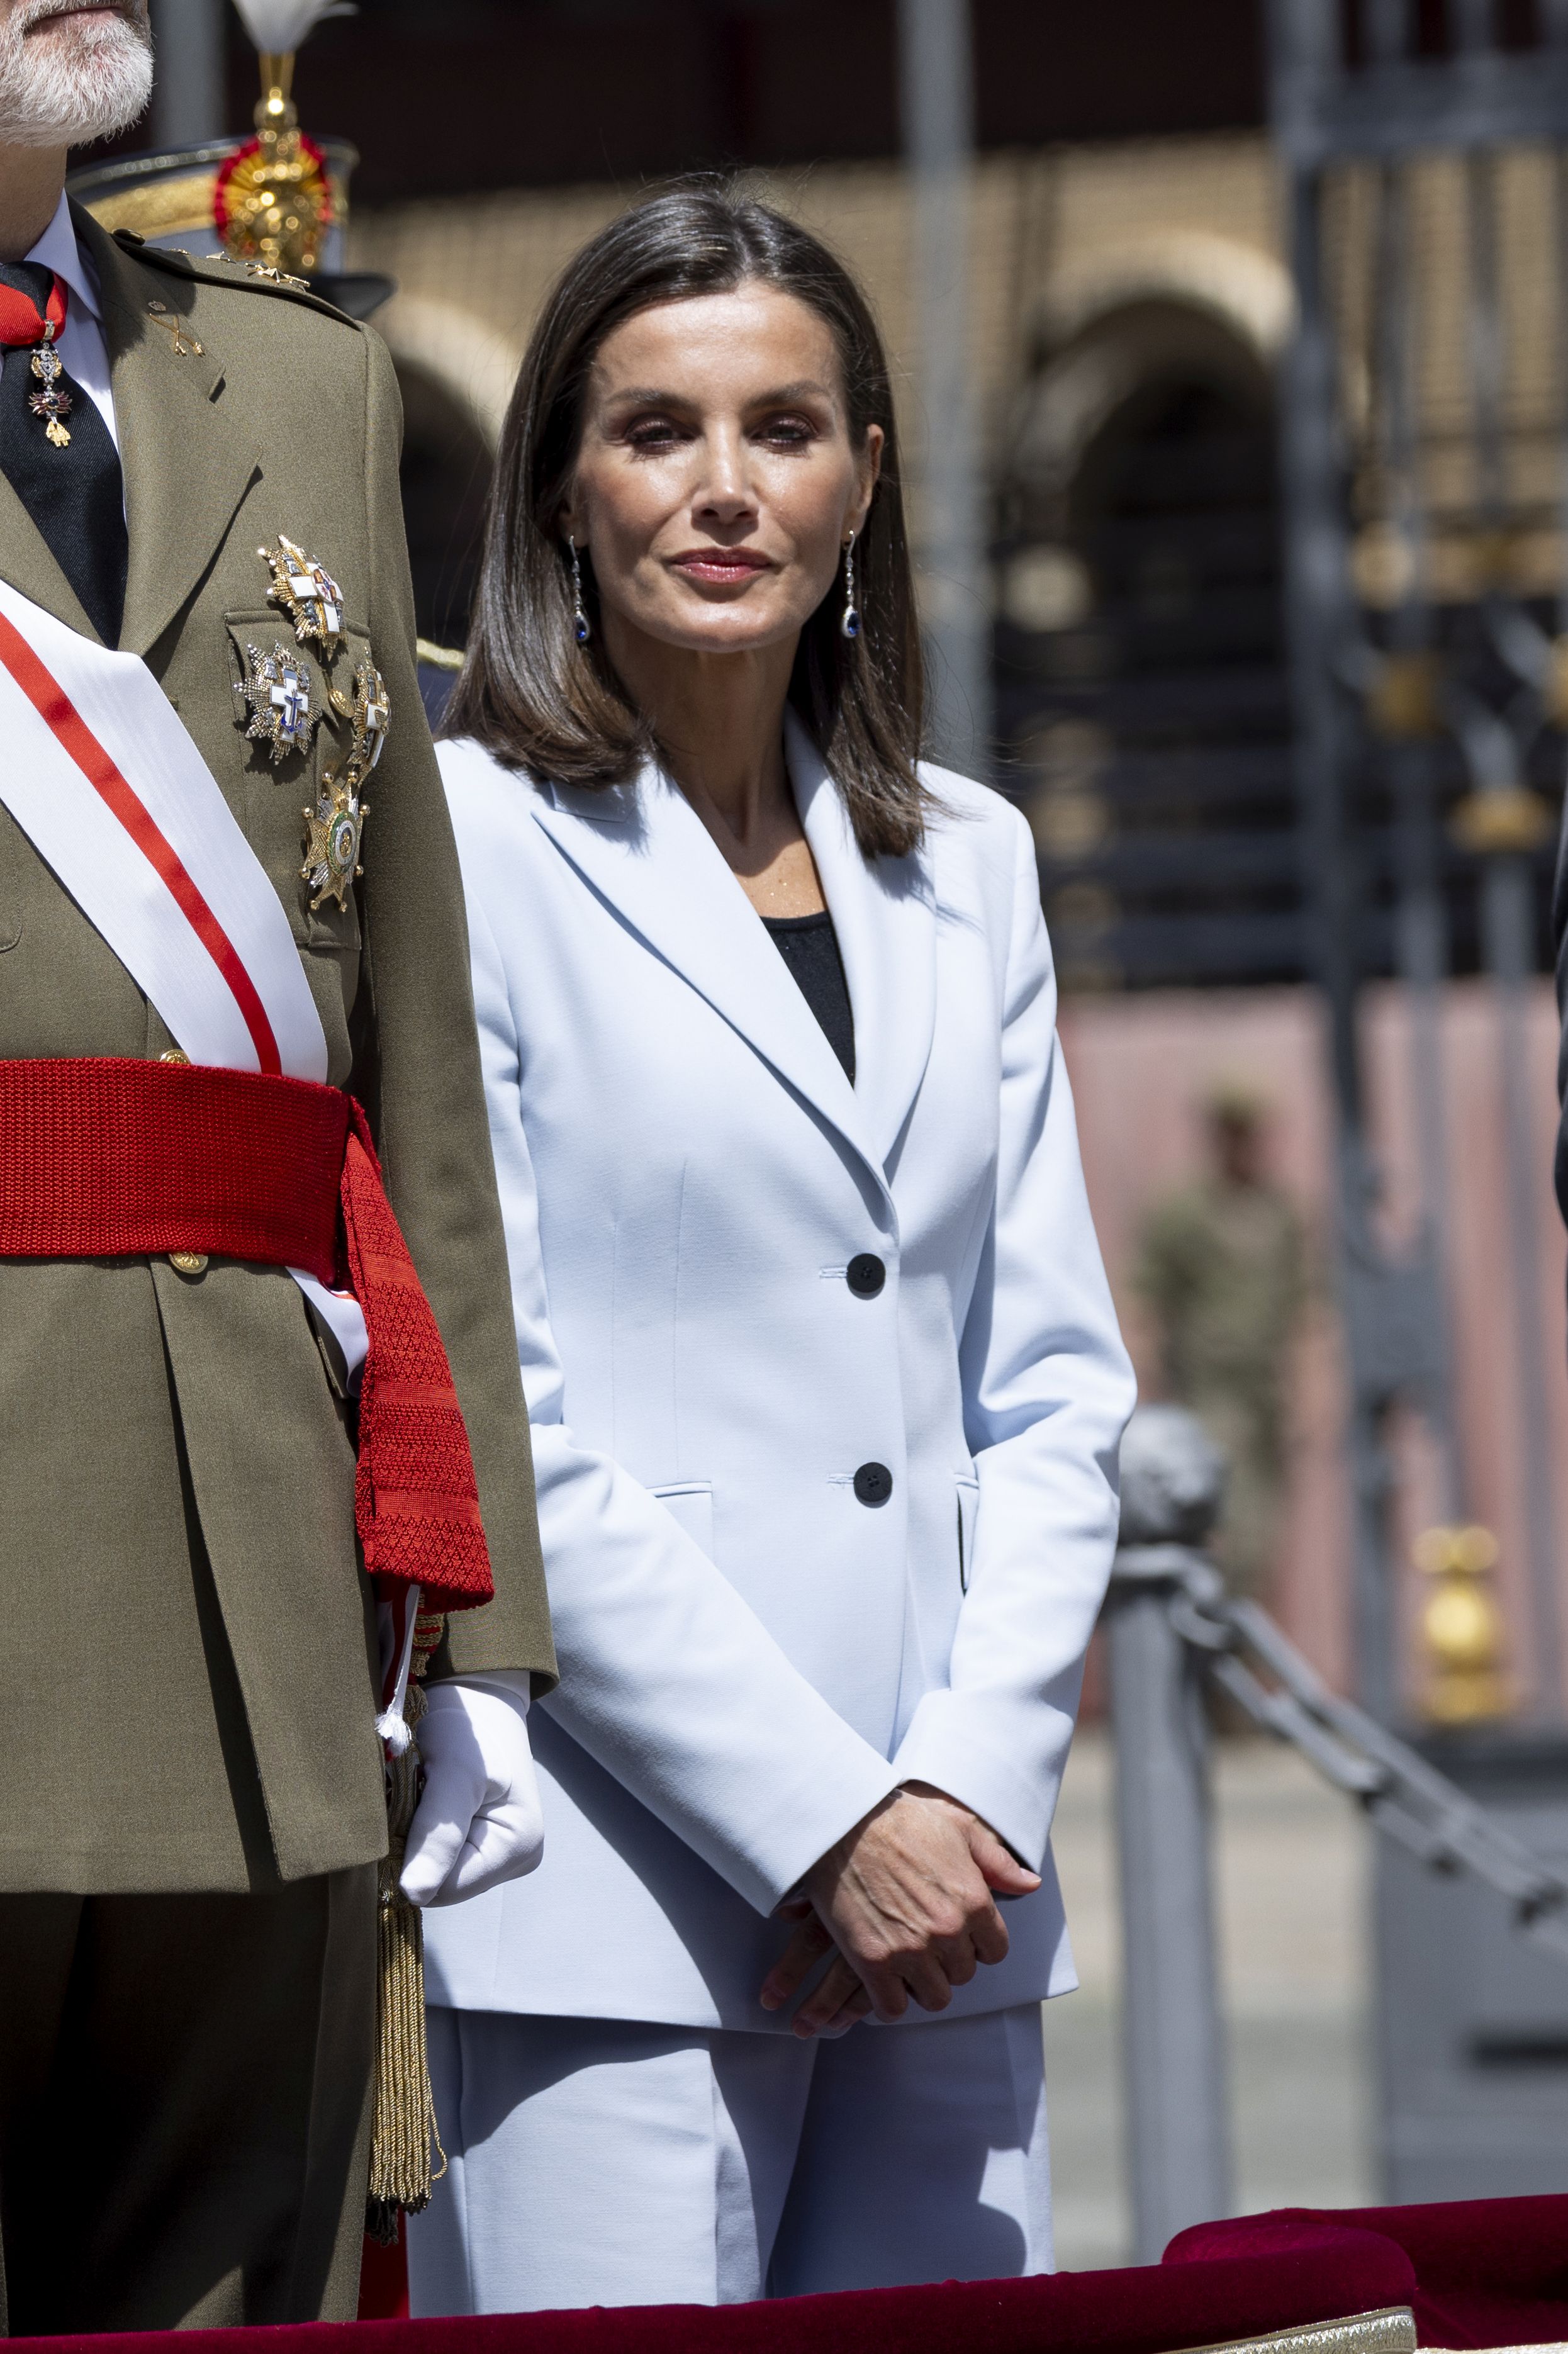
{"type": "Point", "coordinates": [58, 249]}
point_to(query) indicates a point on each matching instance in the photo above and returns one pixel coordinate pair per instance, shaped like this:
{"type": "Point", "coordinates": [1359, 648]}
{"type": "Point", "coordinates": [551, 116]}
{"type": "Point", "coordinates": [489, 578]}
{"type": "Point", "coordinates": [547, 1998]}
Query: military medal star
{"type": "Point", "coordinates": [307, 593]}
{"type": "Point", "coordinates": [369, 715]}
{"type": "Point", "coordinates": [278, 693]}
{"type": "Point", "coordinates": [333, 831]}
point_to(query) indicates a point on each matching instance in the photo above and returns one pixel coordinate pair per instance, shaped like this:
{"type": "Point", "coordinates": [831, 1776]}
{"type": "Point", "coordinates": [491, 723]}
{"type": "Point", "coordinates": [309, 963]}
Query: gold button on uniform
{"type": "Point", "coordinates": [184, 1262]}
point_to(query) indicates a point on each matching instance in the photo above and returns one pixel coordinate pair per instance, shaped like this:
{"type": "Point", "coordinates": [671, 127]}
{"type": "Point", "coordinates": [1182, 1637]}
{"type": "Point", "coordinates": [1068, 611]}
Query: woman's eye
{"type": "Point", "coordinates": [790, 430]}
{"type": "Point", "coordinates": [653, 433]}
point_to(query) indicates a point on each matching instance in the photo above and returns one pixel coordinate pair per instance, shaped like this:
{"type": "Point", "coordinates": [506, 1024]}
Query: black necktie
{"type": "Point", "coordinates": [74, 494]}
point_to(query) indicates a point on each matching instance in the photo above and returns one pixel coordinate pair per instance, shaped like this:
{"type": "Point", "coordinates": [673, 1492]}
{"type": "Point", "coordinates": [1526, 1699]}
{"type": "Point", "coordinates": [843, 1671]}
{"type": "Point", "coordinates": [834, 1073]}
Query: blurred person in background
{"type": "Point", "coordinates": [824, 1372]}
{"type": "Point", "coordinates": [1222, 1268]}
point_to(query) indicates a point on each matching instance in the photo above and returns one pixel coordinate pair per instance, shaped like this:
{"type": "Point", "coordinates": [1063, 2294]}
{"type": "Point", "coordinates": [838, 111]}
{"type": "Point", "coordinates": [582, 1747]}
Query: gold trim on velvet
{"type": "Point", "coordinates": [1390, 2330]}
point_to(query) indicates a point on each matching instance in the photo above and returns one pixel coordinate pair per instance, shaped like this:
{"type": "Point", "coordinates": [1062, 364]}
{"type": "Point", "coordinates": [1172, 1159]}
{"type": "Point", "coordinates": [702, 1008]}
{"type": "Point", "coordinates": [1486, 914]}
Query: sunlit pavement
{"type": "Point", "coordinates": [1291, 1869]}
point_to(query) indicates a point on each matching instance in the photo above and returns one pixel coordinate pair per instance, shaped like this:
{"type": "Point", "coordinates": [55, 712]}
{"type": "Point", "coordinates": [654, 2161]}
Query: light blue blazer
{"type": "Point", "coordinates": [752, 1656]}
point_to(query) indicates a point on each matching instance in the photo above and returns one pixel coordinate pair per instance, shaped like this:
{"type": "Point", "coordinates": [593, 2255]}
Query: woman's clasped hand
{"type": "Point", "coordinates": [905, 1905]}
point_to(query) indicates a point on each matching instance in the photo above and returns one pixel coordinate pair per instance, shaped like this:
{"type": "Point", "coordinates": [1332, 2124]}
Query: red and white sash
{"type": "Point", "coordinates": [102, 776]}
{"type": "Point", "coordinates": [106, 781]}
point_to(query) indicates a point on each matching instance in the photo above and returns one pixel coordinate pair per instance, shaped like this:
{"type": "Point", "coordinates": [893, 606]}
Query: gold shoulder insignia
{"type": "Point", "coordinates": [184, 344]}
{"type": "Point", "coordinates": [261, 270]}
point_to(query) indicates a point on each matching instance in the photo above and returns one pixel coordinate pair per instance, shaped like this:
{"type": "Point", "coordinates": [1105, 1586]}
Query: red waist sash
{"type": "Point", "coordinates": [105, 1159]}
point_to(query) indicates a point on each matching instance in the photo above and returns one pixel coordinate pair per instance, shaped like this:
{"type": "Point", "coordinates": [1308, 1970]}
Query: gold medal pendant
{"type": "Point", "coordinates": [52, 403]}
{"type": "Point", "coordinates": [335, 828]}
{"type": "Point", "coordinates": [369, 715]}
{"type": "Point", "coordinates": [333, 831]}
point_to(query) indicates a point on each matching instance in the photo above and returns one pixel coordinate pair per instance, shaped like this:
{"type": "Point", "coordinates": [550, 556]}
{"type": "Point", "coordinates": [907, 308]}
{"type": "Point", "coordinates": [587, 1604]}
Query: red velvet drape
{"type": "Point", "coordinates": [1489, 2271]}
{"type": "Point", "coordinates": [1477, 2273]}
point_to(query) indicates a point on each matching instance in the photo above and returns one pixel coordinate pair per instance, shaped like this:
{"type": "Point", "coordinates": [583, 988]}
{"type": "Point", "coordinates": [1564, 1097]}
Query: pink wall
{"type": "Point", "coordinates": [1141, 1067]}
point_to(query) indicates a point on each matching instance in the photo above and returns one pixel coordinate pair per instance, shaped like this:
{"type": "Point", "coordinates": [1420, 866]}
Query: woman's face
{"type": "Point", "coordinates": [717, 481]}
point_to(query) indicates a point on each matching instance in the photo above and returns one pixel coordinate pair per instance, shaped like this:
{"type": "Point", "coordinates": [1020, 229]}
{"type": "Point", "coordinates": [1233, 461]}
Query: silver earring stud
{"type": "Point", "coordinates": [582, 628]}
{"type": "Point", "coordinates": [849, 627]}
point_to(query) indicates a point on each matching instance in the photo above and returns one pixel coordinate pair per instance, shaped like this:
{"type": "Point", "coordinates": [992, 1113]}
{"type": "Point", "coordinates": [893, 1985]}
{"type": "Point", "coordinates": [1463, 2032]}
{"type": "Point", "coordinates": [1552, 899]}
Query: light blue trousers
{"type": "Point", "coordinates": [605, 2162]}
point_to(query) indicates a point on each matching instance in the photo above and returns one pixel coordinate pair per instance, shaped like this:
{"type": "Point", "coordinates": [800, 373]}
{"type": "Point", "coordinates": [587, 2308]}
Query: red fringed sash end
{"type": "Point", "coordinates": [416, 1501]}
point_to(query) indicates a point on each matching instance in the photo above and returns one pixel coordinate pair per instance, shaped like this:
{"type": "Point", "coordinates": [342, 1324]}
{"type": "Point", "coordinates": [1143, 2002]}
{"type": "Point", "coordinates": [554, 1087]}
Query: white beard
{"type": "Point", "coordinates": [88, 80]}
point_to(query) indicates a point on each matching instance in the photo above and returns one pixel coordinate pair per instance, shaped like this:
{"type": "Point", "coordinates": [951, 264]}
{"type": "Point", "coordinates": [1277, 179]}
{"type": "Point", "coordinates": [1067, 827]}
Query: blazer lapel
{"type": "Point", "coordinates": [886, 919]}
{"type": "Point", "coordinates": [184, 474]}
{"type": "Point", "coordinates": [644, 850]}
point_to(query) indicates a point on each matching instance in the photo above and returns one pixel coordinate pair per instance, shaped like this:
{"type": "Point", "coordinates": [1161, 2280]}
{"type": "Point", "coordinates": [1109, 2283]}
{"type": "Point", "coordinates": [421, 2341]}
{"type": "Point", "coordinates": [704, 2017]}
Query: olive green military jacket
{"type": "Point", "coordinates": [187, 1695]}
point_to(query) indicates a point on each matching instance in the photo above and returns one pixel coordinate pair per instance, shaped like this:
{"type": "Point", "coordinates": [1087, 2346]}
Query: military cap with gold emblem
{"type": "Point", "coordinates": [275, 204]}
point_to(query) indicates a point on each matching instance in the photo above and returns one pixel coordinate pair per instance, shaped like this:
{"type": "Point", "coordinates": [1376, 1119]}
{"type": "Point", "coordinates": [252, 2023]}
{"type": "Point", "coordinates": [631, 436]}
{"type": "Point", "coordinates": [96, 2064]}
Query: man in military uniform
{"type": "Point", "coordinates": [194, 1800]}
{"type": "Point", "coordinates": [1223, 1268]}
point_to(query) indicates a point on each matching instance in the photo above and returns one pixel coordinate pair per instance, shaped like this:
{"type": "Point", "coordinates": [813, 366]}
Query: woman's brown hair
{"type": "Point", "coordinates": [539, 700]}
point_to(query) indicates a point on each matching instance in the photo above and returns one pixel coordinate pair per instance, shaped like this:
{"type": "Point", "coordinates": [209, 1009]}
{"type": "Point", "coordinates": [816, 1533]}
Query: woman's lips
{"type": "Point", "coordinates": [719, 564]}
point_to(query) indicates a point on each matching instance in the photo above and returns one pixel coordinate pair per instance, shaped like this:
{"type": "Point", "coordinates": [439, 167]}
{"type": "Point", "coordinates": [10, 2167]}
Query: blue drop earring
{"type": "Point", "coordinates": [582, 628]}
{"type": "Point", "coordinates": [849, 627]}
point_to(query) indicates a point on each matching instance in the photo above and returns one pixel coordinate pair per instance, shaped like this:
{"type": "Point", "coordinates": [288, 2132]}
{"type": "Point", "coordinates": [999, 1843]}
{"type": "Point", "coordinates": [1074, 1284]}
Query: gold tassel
{"type": "Point", "coordinates": [405, 2128]}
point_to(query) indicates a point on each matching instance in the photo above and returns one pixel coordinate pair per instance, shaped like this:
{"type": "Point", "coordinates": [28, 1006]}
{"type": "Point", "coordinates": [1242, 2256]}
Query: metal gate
{"type": "Point", "coordinates": [1425, 188]}
{"type": "Point", "coordinates": [1424, 467]}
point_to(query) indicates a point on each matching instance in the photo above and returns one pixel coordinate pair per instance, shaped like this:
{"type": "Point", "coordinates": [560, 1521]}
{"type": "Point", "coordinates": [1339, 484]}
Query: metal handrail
{"type": "Point", "coordinates": [1170, 1628]}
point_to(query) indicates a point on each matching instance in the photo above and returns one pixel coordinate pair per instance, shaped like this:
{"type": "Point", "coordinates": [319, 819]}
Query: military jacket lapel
{"type": "Point", "coordinates": [184, 475]}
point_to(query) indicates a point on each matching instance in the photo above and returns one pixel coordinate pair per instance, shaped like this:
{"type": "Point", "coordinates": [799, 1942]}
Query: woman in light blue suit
{"type": "Point", "coordinates": [824, 1378]}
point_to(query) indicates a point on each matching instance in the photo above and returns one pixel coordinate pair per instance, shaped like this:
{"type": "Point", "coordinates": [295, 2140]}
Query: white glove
{"type": "Point", "coordinates": [478, 1821]}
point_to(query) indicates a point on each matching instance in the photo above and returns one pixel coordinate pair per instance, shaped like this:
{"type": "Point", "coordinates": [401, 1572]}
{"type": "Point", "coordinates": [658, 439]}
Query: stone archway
{"type": "Point", "coordinates": [1141, 665]}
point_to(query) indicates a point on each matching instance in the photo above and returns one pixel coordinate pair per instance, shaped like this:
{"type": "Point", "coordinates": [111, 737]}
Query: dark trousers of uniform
{"type": "Point", "coordinates": [185, 2106]}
